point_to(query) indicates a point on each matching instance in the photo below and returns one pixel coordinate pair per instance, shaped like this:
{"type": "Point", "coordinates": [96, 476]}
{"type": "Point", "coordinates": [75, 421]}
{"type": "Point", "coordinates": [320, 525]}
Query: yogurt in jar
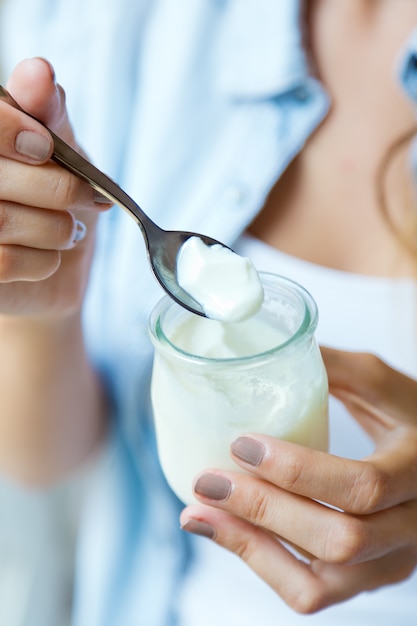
{"type": "Point", "coordinates": [214, 381]}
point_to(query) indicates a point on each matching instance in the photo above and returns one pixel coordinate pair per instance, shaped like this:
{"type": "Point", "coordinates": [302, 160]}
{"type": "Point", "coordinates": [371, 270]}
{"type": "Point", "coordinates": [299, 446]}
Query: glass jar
{"type": "Point", "coordinates": [213, 382]}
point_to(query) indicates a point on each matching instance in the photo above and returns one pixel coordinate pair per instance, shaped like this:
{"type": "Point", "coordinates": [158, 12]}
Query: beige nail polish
{"type": "Point", "coordinates": [32, 145]}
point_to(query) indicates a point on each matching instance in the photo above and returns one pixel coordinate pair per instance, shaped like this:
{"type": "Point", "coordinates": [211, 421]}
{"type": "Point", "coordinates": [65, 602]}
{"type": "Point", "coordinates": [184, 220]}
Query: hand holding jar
{"type": "Point", "coordinates": [354, 521]}
{"type": "Point", "coordinates": [213, 381]}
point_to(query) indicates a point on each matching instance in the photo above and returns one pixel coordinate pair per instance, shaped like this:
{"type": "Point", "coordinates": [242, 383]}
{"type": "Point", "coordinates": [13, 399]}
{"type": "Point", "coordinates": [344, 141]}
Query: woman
{"type": "Point", "coordinates": [222, 118]}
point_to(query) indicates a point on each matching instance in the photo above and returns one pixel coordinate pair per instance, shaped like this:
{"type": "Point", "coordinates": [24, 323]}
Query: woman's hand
{"type": "Point", "coordinates": [43, 270]}
{"type": "Point", "coordinates": [53, 408]}
{"type": "Point", "coordinates": [355, 522]}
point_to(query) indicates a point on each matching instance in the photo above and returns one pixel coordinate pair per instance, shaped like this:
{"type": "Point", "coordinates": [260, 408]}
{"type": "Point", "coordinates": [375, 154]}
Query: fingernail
{"type": "Point", "coordinates": [100, 199]}
{"type": "Point", "coordinates": [199, 528]}
{"type": "Point", "coordinates": [80, 231]}
{"type": "Point", "coordinates": [248, 450]}
{"type": "Point", "coordinates": [32, 145]}
{"type": "Point", "coordinates": [213, 487]}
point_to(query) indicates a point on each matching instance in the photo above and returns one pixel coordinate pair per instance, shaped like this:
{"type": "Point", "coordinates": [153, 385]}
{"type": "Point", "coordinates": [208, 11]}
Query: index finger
{"type": "Point", "coordinates": [361, 487]}
{"type": "Point", "coordinates": [389, 394]}
{"type": "Point", "coordinates": [48, 187]}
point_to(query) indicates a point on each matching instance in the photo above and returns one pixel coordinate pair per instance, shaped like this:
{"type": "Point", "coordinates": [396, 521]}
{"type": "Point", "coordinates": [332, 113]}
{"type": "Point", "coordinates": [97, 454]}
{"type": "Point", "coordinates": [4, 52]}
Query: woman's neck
{"type": "Point", "coordinates": [326, 208]}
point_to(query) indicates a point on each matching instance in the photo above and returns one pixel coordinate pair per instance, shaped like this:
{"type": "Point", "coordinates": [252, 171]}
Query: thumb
{"type": "Point", "coordinates": [32, 84]}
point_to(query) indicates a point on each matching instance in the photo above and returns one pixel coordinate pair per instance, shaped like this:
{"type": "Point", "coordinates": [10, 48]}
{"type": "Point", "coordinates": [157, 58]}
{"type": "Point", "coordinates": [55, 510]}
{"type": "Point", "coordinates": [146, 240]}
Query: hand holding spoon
{"type": "Point", "coordinates": [162, 246]}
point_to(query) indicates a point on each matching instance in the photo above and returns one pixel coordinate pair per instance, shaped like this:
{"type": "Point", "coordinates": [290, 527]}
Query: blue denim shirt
{"type": "Point", "coordinates": [196, 107]}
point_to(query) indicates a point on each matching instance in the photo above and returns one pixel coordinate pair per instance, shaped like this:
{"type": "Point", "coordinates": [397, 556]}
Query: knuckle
{"type": "Point", "coordinates": [257, 508]}
{"type": "Point", "coordinates": [293, 471]}
{"type": "Point", "coordinates": [65, 188]}
{"type": "Point", "coordinates": [244, 548]}
{"type": "Point", "coordinates": [369, 491]}
{"type": "Point", "coordinates": [245, 545]}
{"type": "Point", "coordinates": [346, 542]}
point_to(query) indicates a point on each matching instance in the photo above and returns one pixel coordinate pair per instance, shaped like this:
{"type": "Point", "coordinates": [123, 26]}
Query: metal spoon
{"type": "Point", "coordinates": [162, 245]}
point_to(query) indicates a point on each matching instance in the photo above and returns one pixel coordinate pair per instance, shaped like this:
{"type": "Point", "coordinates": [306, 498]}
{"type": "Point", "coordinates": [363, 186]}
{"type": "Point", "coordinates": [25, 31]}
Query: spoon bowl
{"type": "Point", "coordinates": [162, 245]}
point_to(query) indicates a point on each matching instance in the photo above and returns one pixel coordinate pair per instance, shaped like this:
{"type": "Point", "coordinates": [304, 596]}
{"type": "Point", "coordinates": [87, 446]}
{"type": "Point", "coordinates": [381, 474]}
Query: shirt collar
{"type": "Point", "coordinates": [260, 48]}
{"type": "Point", "coordinates": [408, 66]}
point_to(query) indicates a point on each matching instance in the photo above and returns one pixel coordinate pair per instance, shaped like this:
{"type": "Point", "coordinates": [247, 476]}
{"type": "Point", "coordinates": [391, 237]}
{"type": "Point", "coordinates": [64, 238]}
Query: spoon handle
{"type": "Point", "coordinates": [74, 162]}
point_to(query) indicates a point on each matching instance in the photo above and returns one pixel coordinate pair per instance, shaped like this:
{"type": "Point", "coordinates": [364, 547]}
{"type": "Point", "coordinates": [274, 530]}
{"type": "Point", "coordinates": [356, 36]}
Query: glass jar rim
{"type": "Point", "coordinates": [304, 331]}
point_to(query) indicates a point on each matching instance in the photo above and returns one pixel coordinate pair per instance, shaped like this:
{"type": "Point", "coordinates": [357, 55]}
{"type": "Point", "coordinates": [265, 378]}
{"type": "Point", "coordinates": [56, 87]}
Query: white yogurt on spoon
{"type": "Point", "coordinates": [226, 285]}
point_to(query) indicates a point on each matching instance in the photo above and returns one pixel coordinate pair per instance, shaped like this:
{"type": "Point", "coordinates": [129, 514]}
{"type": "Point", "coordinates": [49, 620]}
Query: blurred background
{"type": "Point", "coordinates": [37, 549]}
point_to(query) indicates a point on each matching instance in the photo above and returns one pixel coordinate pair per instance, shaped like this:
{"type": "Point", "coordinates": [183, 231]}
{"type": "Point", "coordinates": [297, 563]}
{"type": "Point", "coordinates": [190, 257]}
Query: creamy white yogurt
{"type": "Point", "coordinates": [226, 285]}
{"type": "Point", "coordinates": [213, 381]}
{"type": "Point", "coordinates": [225, 340]}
